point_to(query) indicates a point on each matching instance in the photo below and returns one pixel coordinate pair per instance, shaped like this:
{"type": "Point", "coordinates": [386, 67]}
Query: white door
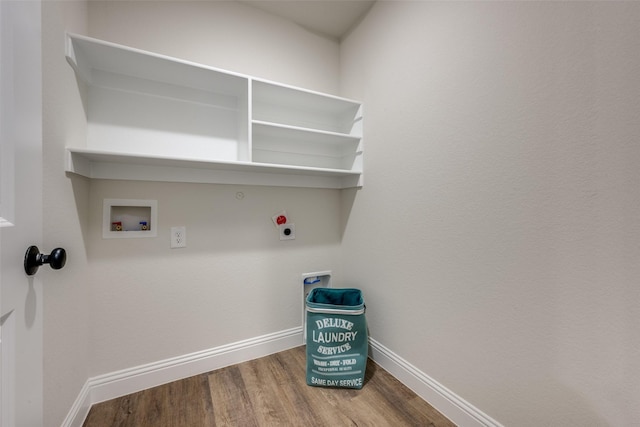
{"type": "Point", "coordinates": [20, 212]}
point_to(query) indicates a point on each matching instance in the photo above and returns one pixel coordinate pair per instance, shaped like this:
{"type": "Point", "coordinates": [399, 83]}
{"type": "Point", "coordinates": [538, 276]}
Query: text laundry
{"type": "Point", "coordinates": [330, 337]}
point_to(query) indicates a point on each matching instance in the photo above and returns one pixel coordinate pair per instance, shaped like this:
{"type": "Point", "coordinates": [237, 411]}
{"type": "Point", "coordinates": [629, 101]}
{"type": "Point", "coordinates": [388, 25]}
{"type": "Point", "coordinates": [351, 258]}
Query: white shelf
{"type": "Point", "coordinates": [291, 106]}
{"type": "Point", "coordinates": [98, 164]}
{"type": "Point", "coordinates": [153, 117]}
{"type": "Point", "coordinates": [281, 144]}
{"type": "Point", "coordinates": [96, 61]}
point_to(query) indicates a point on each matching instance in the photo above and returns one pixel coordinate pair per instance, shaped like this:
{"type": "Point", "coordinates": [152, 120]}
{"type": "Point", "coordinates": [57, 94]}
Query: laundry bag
{"type": "Point", "coordinates": [337, 338]}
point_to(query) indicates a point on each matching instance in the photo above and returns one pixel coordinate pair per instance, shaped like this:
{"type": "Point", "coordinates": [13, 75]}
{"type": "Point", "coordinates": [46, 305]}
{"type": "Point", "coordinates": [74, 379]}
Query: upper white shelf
{"type": "Point", "coordinates": [153, 117]}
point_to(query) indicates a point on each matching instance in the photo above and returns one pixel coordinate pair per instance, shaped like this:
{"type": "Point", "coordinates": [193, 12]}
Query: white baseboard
{"type": "Point", "coordinates": [452, 406]}
{"type": "Point", "coordinates": [120, 383]}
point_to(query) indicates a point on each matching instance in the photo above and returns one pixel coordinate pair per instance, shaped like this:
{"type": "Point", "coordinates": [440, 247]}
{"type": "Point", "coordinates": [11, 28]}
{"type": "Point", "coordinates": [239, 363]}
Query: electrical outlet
{"type": "Point", "coordinates": [280, 218]}
{"type": "Point", "coordinates": [287, 232]}
{"type": "Point", "coordinates": [178, 237]}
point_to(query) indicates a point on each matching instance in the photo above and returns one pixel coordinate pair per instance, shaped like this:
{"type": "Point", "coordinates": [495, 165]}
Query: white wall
{"type": "Point", "coordinates": [236, 279]}
{"type": "Point", "coordinates": [222, 34]}
{"type": "Point", "coordinates": [66, 292]}
{"type": "Point", "coordinates": [496, 238]}
{"type": "Point", "coordinates": [125, 302]}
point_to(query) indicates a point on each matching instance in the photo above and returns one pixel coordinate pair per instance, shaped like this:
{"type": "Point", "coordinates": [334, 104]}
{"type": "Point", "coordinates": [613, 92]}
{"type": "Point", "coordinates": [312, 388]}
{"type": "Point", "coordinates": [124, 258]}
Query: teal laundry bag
{"type": "Point", "coordinates": [337, 338]}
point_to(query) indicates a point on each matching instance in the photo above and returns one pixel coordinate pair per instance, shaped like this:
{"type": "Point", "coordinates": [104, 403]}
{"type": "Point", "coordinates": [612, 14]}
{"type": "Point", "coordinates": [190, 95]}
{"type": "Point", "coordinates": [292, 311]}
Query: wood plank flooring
{"type": "Point", "coordinates": [270, 391]}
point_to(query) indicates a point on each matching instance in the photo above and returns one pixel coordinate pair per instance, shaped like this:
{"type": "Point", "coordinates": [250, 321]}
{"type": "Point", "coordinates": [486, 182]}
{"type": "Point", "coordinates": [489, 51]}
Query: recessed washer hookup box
{"type": "Point", "coordinates": [337, 338]}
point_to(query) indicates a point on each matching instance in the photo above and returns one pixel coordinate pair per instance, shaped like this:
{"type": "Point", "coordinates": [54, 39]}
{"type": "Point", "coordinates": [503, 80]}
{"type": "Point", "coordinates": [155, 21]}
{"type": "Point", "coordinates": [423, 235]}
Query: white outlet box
{"type": "Point", "coordinates": [319, 279]}
{"type": "Point", "coordinates": [125, 218]}
{"type": "Point", "coordinates": [287, 232]}
{"type": "Point", "coordinates": [178, 237]}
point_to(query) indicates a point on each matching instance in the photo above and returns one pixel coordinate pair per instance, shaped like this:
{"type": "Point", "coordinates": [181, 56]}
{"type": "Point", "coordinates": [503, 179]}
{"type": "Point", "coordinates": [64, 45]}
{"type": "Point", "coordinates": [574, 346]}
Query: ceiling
{"type": "Point", "coordinates": [330, 18]}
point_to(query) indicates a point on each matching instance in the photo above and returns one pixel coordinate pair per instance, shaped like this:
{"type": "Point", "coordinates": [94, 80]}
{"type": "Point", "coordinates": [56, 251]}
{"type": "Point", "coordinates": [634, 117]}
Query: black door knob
{"type": "Point", "coordinates": [34, 259]}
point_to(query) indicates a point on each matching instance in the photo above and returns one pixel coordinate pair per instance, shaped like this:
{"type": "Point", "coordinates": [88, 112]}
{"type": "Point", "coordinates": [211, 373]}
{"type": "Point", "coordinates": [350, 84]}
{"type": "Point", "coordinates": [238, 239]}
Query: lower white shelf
{"type": "Point", "coordinates": [97, 164]}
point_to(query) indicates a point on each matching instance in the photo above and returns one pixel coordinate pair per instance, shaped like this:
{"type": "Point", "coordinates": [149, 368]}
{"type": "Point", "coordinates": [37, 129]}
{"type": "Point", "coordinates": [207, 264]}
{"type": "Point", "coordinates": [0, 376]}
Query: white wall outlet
{"type": "Point", "coordinates": [178, 237]}
{"type": "Point", "coordinates": [287, 232]}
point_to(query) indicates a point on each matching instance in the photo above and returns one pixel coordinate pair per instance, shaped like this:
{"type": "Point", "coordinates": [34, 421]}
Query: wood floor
{"type": "Point", "coordinates": [270, 391]}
